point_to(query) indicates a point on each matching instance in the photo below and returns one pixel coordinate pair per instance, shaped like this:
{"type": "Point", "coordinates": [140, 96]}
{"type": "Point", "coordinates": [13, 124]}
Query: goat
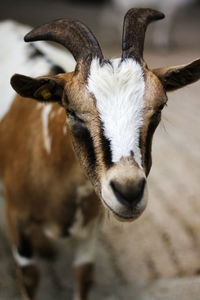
{"type": "Point", "coordinates": [113, 108]}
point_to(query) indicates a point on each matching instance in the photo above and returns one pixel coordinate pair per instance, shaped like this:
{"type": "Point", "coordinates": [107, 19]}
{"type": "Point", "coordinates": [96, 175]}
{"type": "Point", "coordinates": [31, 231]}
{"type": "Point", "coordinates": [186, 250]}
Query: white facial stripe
{"type": "Point", "coordinates": [119, 92]}
{"type": "Point", "coordinates": [21, 260]}
{"type": "Point", "coordinates": [45, 123]}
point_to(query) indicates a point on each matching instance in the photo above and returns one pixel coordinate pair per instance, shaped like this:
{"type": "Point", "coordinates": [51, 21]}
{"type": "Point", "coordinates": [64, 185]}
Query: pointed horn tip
{"type": "Point", "coordinates": [29, 37]}
{"type": "Point", "coordinates": [14, 76]}
{"type": "Point", "coordinates": [152, 14]}
{"type": "Point", "coordinates": [158, 15]}
{"type": "Point", "coordinates": [36, 33]}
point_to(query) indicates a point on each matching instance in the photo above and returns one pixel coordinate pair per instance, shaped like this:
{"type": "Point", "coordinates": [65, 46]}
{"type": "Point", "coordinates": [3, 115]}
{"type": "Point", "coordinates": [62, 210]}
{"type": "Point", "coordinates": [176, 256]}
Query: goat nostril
{"type": "Point", "coordinates": [117, 189]}
{"type": "Point", "coordinates": [128, 194]}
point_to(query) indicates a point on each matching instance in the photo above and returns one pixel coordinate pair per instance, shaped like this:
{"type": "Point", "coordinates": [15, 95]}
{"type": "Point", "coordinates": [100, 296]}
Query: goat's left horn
{"type": "Point", "coordinates": [73, 35]}
{"type": "Point", "coordinates": [135, 24]}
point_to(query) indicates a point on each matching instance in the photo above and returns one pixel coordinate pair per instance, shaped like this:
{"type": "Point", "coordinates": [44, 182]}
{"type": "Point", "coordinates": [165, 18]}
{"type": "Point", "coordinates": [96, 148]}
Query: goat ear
{"type": "Point", "coordinates": [44, 89]}
{"type": "Point", "coordinates": [174, 78]}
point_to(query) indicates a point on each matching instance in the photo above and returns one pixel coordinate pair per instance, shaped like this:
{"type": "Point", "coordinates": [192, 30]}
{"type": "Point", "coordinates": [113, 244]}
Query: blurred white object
{"type": "Point", "coordinates": [162, 34]}
{"type": "Point", "coordinates": [15, 58]}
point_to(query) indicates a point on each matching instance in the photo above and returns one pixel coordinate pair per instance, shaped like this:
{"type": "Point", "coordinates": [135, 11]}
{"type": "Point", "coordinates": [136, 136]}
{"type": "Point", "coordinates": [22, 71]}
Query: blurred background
{"type": "Point", "coordinates": [158, 256]}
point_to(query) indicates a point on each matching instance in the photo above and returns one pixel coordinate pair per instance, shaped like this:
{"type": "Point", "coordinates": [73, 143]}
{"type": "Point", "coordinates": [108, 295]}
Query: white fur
{"type": "Point", "coordinates": [119, 92]}
{"type": "Point", "coordinates": [21, 260]}
{"type": "Point", "coordinates": [14, 58]}
{"type": "Point", "coordinates": [45, 125]}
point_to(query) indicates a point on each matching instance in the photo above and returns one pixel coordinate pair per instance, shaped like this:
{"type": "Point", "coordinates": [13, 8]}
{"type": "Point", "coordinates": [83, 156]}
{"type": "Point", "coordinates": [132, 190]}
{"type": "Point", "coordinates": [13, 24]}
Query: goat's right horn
{"type": "Point", "coordinates": [73, 35]}
{"type": "Point", "coordinates": [135, 23]}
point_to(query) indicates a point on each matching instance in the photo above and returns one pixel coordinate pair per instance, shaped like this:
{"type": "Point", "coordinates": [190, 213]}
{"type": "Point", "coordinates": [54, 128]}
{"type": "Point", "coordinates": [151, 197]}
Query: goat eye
{"type": "Point", "coordinates": [71, 113]}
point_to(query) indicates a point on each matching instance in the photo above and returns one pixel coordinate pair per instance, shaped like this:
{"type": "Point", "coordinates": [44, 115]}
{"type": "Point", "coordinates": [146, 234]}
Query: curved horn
{"type": "Point", "coordinates": [73, 35]}
{"type": "Point", "coordinates": [135, 24]}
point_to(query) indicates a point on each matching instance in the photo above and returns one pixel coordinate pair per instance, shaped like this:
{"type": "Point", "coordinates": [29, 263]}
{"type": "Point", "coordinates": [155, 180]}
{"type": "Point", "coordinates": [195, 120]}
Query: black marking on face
{"type": "Point", "coordinates": [25, 247]}
{"type": "Point", "coordinates": [147, 160]}
{"type": "Point", "coordinates": [84, 139]}
{"type": "Point", "coordinates": [106, 148]}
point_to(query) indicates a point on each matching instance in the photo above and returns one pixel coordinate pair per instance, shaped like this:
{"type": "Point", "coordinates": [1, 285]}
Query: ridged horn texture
{"type": "Point", "coordinates": [73, 35]}
{"type": "Point", "coordinates": [135, 24]}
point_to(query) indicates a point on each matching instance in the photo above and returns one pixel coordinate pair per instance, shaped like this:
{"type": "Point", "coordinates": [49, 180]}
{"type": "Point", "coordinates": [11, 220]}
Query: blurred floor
{"type": "Point", "coordinates": [158, 256]}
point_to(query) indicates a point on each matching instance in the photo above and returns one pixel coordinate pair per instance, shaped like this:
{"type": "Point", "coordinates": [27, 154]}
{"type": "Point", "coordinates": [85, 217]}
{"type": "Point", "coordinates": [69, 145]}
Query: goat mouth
{"type": "Point", "coordinates": [122, 217]}
{"type": "Point", "coordinates": [126, 218]}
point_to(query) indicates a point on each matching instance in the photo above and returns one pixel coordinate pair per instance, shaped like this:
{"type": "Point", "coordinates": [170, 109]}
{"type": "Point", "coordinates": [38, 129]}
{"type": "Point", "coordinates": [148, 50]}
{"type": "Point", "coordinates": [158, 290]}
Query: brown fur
{"type": "Point", "coordinates": [40, 188]}
{"type": "Point", "coordinates": [37, 177]}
